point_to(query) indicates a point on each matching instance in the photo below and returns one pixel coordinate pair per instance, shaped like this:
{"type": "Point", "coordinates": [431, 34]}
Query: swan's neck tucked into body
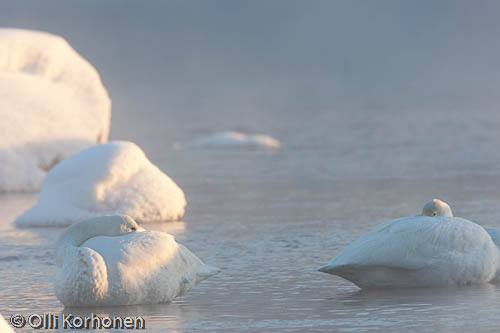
{"type": "Point", "coordinates": [76, 235]}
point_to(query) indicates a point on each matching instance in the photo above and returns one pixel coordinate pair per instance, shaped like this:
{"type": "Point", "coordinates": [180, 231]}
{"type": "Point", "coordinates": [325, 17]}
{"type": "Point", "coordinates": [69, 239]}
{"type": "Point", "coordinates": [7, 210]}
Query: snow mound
{"type": "Point", "coordinates": [106, 179]}
{"type": "Point", "coordinates": [237, 140]}
{"type": "Point", "coordinates": [52, 105]}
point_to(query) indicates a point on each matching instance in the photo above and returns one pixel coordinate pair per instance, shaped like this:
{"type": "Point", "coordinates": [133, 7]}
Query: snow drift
{"type": "Point", "coordinates": [237, 140]}
{"type": "Point", "coordinates": [106, 179]}
{"type": "Point", "coordinates": [52, 105]}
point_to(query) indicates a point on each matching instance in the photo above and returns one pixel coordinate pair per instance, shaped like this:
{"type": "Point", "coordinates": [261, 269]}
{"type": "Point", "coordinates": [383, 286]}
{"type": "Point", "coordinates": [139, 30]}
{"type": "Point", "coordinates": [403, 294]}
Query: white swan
{"type": "Point", "coordinates": [110, 260]}
{"type": "Point", "coordinates": [420, 251]}
{"type": "Point", "coordinates": [436, 207]}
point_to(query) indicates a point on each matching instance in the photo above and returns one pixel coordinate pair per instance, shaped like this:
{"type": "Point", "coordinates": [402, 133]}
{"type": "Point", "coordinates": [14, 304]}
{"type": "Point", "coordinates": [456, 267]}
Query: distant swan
{"type": "Point", "coordinates": [110, 260]}
{"type": "Point", "coordinates": [420, 251]}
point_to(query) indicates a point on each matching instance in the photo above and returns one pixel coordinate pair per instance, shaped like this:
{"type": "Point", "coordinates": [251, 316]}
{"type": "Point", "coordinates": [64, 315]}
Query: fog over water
{"type": "Point", "coordinates": [379, 106]}
{"type": "Point", "coordinates": [249, 58]}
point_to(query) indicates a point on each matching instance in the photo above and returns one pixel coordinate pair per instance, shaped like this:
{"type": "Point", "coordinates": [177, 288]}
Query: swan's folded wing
{"type": "Point", "coordinates": [419, 251]}
{"type": "Point", "coordinates": [148, 266]}
{"type": "Point", "coordinates": [134, 254]}
{"type": "Point", "coordinates": [416, 242]}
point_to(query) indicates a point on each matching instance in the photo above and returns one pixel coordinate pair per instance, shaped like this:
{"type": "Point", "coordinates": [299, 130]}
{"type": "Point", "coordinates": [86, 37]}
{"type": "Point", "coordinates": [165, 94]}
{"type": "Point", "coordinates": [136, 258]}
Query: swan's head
{"type": "Point", "coordinates": [119, 225]}
{"type": "Point", "coordinates": [436, 207]}
{"type": "Point", "coordinates": [113, 225]}
{"type": "Point", "coordinates": [76, 234]}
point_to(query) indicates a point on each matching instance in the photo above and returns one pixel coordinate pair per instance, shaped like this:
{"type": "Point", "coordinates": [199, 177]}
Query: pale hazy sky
{"type": "Point", "coordinates": [303, 52]}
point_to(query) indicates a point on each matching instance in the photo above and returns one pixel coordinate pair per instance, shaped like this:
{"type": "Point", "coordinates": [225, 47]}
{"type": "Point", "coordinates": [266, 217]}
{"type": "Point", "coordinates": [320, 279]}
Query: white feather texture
{"type": "Point", "coordinates": [106, 179]}
{"type": "Point", "coordinates": [419, 251]}
{"type": "Point", "coordinates": [102, 262]}
{"type": "Point", "coordinates": [436, 207]}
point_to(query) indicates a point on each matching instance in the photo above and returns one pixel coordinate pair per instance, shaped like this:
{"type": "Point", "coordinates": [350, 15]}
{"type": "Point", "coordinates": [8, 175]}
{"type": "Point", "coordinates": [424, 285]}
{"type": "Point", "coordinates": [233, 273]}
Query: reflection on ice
{"type": "Point", "coordinates": [415, 296]}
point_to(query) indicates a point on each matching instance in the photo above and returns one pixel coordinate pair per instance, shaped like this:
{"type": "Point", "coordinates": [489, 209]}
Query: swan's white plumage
{"type": "Point", "coordinates": [143, 267]}
{"type": "Point", "coordinates": [419, 251]}
{"type": "Point", "coordinates": [436, 207]}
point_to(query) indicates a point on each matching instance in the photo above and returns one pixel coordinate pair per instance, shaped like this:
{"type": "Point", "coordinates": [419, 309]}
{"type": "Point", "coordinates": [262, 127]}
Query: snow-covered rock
{"type": "Point", "coordinates": [106, 179]}
{"type": "Point", "coordinates": [52, 105]}
{"type": "Point", "coordinates": [237, 140]}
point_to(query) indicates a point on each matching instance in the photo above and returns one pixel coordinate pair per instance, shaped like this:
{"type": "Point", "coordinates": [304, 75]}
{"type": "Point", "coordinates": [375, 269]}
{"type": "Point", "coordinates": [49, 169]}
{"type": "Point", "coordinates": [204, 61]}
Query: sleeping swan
{"type": "Point", "coordinates": [110, 260]}
{"type": "Point", "coordinates": [436, 207]}
{"type": "Point", "coordinates": [420, 251]}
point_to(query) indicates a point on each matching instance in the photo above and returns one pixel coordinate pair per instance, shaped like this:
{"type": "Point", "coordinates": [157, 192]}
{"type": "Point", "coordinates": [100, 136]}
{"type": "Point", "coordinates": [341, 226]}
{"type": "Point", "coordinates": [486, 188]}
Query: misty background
{"type": "Point", "coordinates": [384, 88]}
{"type": "Point", "coordinates": [256, 57]}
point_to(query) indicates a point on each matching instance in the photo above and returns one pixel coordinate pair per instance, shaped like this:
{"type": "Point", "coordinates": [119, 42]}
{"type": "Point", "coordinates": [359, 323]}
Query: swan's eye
{"type": "Point", "coordinates": [434, 214]}
{"type": "Point", "coordinates": [133, 229]}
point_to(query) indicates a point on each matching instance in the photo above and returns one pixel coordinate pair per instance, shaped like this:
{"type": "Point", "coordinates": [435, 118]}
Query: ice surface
{"type": "Point", "coordinates": [106, 179]}
{"type": "Point", "coordinates": [237, 140]}
{"type": "Point", "coordinates": [52, 105]}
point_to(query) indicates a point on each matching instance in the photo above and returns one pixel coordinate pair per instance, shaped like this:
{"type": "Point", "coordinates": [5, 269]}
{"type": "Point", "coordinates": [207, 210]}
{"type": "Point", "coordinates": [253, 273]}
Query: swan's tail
{"type": "Point", "coordinates": [328, 268]}
{"type": "Point", "coordinates": [495, 235]}
{"type": "Point", "coordinates": [206, 271]}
